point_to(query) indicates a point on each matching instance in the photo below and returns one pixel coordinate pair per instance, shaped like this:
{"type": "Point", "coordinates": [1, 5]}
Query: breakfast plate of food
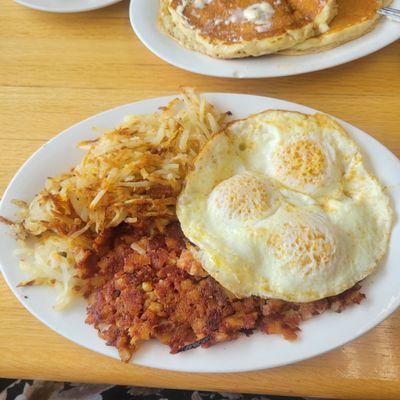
{"type": "Point", "coordinates": [256, 39]}
{"type": "Point", "coordinates": [206, 233]}
{"type": "Point", "coordinates": [66, 6]}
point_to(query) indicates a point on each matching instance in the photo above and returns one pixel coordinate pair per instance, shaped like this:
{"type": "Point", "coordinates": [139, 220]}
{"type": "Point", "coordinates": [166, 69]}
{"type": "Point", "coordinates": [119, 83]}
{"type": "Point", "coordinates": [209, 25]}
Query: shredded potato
{"type": "Point", "coordinates": [127, 175]}
{"type": "Point", "coordinates": [135, 171]}
{"type": "Point", "coordinates": [50, 261]}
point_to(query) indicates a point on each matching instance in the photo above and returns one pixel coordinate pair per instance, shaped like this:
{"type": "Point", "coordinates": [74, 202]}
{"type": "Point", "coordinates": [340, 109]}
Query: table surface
{"type": "Point", "coordinates": [59, 69]}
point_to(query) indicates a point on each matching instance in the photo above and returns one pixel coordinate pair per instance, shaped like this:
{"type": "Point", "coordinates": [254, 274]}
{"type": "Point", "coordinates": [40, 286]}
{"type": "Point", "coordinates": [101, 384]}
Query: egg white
{"type": "Point", "coordinates": [280, 205]}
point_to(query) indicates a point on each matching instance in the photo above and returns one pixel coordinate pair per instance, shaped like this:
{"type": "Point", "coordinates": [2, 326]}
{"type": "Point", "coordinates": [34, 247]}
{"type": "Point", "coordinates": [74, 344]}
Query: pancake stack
{"type": "Point", "coordinates": [243, 28]}
{"type": "Point", "coordinates": [354, 19]}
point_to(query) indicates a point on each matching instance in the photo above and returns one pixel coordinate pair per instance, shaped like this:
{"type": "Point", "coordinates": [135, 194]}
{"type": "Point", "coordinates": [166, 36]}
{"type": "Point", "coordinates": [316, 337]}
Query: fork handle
{"type": "Point", "coordinates": [391, 13]}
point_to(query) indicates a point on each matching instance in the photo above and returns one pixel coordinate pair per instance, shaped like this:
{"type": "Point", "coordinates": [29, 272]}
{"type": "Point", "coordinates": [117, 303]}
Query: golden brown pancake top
{"type": "Point", "coordinates": [353, 12]}
{"type": "Point", "coordinates": [214, 20]}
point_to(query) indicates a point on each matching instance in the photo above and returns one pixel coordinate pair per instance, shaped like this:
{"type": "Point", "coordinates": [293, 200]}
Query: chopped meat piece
{"type": "Point", "coordinates": [189, 264]}
{"type": "Point", "coordinates": [149, 285]}
{"type": "Point", "coordinates": [351, 296]}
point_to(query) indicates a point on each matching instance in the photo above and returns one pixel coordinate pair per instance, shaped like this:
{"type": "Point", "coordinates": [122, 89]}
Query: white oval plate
{"type": "Point", "coordinates": [66, 6]}
{"type": "Point", "coordinates": [318, 335]}
{"type": "Point", "coordinates": [143, 16]}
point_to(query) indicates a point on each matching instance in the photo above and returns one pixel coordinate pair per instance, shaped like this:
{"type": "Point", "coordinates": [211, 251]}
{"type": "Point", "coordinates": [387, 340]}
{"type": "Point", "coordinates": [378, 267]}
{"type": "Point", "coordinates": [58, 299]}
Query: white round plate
{"type": "Point", "coordinates": [143, 16]}
{"type": "Point", "coordinates": [258, 351]}
{"type": "Point", "coordinates": [66, 6]}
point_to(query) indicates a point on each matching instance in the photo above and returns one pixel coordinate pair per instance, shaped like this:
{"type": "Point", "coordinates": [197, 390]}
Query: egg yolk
{"type": "Point", "coordinates": [302, 161]}
{"type": "Point", "coordinates": [303, 247]}
{"type": "Point", "coordinates": [245, 197]}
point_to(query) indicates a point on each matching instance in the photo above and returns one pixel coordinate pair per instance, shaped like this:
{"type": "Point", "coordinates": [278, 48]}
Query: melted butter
{"type": "Point", "coordinates": [196, 3]}
{"type": "Point", "coordinates": [259, 14]}
{"type": "Point", "coordinates": [201, 3]}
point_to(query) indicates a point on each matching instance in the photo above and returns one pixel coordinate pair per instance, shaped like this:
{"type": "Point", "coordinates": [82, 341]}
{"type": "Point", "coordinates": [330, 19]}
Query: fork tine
{"type": "Point", "coordinates": [392, 10]}
{"type": "Point", "coordinates": [389, 12]}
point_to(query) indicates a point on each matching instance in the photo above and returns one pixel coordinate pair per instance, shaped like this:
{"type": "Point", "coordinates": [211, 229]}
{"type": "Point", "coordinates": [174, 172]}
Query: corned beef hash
{"type": "Point", "coordinates": [187, 228]}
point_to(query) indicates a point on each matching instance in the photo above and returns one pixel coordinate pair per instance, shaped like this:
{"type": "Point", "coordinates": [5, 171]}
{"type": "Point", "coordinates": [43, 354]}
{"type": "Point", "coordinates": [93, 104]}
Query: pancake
{"type": "Point", "coordinates": [354, 19]}
{"type": "Point", "coordinates": [242, 28]}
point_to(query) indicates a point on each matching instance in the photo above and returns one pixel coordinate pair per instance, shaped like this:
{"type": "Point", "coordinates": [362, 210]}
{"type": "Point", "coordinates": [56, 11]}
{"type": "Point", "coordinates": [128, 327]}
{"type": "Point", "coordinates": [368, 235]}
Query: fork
{"type": "Point", "coordinates": [392, 13]}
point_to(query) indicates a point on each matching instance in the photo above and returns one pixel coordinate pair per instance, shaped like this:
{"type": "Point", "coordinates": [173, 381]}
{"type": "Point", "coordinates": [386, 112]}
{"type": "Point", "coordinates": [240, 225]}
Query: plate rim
{"type": "Point", "coordinates": [376, 320]}
{"type": "Point", "coordinates": [148, 43]}
{"type": "Point", "coordinates": [103, 4]}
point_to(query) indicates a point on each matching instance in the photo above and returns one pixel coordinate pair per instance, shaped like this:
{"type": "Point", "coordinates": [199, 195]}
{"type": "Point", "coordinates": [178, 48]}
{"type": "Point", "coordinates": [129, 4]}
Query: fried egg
{"type": "Point", "coordinates": [281, 205]}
